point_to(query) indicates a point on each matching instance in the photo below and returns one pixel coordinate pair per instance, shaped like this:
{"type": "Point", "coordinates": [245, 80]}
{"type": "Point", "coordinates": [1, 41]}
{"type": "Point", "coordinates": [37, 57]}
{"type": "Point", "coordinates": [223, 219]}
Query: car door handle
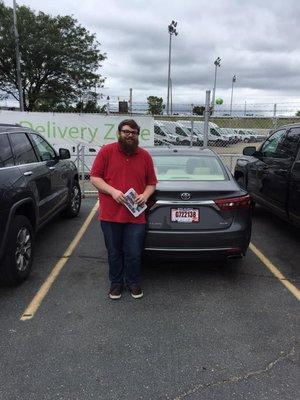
{"type": "Point", "coordinates": [52, 168]}
{"type": "Point", "coordinates": [28, 173]}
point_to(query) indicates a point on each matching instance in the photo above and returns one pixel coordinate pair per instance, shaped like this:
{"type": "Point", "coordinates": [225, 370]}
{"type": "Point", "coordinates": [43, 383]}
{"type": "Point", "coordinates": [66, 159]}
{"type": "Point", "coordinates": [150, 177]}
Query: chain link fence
{"type": "Point", "coordinates": [227, 136]}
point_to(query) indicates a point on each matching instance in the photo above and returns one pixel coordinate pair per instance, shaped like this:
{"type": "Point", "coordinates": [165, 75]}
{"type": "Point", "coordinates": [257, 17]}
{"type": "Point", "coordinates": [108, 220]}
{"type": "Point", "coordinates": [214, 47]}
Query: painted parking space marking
{"type": "Point", "coordinates": [41, 294]}
{"type": "Point", "coordinates": [275, 271]}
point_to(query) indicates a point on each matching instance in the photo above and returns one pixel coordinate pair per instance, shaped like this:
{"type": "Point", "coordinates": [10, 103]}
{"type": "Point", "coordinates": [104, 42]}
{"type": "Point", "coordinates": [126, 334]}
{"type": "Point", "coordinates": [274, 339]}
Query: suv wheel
{"type": "Point", "coordinates": [74, 203]}
{"type": "Point", "coordinates": [17, 262]}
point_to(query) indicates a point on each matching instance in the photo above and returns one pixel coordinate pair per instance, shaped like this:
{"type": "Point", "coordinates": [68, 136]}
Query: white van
{"type": "Point", "coordinates": [182, 134]}
{"type": "Point", "coordinates": [162, 135]}
{"type": "Point", "coordinates": [215, 138]}
{"type": "Point", "coordinates": [197, 132]}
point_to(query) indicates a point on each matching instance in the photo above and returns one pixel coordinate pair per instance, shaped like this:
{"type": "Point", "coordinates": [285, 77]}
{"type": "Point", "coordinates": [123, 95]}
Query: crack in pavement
{"type": "Point", "coordinates": [238, 378]}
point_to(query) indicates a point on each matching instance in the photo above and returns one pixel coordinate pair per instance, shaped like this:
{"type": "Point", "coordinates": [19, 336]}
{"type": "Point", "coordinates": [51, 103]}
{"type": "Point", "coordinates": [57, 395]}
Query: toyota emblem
{"type": "Point", "coordinates": [185, 196]}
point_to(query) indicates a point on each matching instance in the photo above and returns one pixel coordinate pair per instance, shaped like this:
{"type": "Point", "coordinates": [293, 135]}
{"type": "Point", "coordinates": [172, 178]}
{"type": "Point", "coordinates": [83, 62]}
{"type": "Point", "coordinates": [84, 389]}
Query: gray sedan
{"type": "Point", "coordinates": [198, 209]}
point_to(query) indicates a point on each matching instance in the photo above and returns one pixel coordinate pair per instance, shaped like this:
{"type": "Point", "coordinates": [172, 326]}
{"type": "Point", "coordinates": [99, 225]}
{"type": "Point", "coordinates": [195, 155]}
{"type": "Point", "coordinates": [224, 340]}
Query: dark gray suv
{"type": "Point", "coordinates": [36, 183]}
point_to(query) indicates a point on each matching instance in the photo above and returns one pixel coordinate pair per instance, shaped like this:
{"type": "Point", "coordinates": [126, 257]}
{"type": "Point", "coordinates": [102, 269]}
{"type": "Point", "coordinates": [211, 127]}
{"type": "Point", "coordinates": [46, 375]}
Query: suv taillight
{"type": "Point", "coordinates": [234, 203]}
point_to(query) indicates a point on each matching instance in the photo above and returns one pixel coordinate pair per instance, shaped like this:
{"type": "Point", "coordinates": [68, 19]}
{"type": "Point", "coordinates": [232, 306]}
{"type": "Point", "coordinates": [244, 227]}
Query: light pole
{"type": "Point", "coordinates": [172, 31]}
{"type": "Point", "coordinates": [18, 57]}
{"type": "Point", "coordinates": [171, 96]}
{"type": "Point", "coordinates": [233, 81]}
{"type": "Point", "coordinates": [217, 63]}
{"type": "Point", "coordinates": [130, 101]}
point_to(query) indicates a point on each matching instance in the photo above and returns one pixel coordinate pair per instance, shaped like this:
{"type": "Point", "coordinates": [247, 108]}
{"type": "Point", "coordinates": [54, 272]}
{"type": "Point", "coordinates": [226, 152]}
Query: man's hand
{"type": "Point", "coordinates": [141, 199]}
{"type": "Point", "coordinates": [117, 195]}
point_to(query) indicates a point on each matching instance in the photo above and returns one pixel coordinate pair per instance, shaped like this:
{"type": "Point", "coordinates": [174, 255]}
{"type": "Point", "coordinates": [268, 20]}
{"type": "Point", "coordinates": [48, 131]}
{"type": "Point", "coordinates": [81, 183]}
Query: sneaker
{"type": "Point", "coordinates": [115, 291]}
{"type": "Point", "coordinates": [136, 291]}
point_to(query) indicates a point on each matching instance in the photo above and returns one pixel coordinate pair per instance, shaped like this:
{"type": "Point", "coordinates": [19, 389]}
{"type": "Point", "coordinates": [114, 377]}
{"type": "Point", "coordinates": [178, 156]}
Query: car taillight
{"type": "Point", "coordinates": [234, 203]}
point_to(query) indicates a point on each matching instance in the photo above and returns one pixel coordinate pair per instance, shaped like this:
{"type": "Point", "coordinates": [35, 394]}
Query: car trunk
{"type": "Point", "coordinates": [203, 210]}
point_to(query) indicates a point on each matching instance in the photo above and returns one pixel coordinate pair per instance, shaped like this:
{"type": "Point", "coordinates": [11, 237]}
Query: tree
{"type": "Point", "coordinates": [59, 59]}
{"type": "Point", "coordinates": [155, 105]}
{"type": "Point", "coordinates": [199, 110]}
{"type": "Point", "coordinates": [298, 114]}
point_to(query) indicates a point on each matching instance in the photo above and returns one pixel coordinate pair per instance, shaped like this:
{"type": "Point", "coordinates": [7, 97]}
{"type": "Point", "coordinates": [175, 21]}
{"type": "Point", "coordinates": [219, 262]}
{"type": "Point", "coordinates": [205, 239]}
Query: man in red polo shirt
{"type": "Point", "coordinates": [118, 167]}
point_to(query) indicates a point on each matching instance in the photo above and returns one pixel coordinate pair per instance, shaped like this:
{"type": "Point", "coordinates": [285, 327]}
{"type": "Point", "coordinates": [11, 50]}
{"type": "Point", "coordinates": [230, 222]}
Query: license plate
{"type": "Point", "coordinates": [187, 215]}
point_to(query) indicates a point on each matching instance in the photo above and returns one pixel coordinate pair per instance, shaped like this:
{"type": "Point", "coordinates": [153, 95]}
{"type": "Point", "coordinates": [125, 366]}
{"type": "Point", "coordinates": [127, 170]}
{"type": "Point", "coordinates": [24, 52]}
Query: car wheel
{"type": "Point", "coordinates": [74, 203]}
{"type": "Point", "coordinates": [17, 262]}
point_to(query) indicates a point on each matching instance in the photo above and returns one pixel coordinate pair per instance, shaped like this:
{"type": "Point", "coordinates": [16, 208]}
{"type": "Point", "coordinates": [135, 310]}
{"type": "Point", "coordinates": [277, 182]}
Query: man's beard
{"type": "Point", "coordinates": [128, 146]}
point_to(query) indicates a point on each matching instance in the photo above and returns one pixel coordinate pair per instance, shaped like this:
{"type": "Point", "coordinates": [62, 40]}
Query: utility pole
{"type": "Point", "coordinates": [107, 105]}
{"type": "Point", "coordinates": [18, 64]}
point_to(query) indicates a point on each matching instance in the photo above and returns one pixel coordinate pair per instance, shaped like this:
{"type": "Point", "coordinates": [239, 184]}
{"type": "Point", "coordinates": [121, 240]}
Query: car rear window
{"type": "Point", "coordinates": [182, 167]}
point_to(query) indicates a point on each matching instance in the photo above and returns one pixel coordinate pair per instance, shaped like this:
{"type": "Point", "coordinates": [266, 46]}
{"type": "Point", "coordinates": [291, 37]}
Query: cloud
{"type": "Point", "coordinates": [256, 40]}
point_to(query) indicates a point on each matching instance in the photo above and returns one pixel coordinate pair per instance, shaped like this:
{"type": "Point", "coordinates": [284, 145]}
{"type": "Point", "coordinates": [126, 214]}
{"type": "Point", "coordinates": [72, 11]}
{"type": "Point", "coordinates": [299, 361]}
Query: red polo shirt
{"type": "Point", "coordinates": [122, 172]}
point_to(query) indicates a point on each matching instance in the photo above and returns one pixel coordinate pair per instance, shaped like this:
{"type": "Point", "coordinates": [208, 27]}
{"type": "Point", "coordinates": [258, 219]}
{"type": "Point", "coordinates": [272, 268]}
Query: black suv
{"type": "Point", "coordinates": [36, 183]}
{"type": "Point", "coordinates": [271, 173]}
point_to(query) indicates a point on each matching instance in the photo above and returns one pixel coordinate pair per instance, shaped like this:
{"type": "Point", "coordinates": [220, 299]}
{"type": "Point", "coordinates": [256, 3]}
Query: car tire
{"type": "Point", "coordinates": [16, 264]}
{"type": "Point", "coordinates": [74, 202]}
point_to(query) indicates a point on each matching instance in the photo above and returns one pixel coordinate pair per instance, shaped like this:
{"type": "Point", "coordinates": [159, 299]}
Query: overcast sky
{"type": "Point", "coordinates": [257, 40]}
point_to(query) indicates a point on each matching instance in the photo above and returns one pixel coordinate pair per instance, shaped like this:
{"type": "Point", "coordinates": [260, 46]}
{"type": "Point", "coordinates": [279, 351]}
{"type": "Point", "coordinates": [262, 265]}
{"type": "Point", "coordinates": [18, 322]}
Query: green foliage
{"type": "Point", "coordinates": [155, 105]}
{"type": "Point", "coordinates": [198, 110]}
{"type": "Point", "coordinates": [59, 59]}
{"type": "Point", "coordinates": [297, 114]}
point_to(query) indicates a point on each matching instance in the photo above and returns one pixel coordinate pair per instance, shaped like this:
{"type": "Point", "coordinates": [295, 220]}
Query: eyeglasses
{"type": "Point", "coordinates": [127, 133]}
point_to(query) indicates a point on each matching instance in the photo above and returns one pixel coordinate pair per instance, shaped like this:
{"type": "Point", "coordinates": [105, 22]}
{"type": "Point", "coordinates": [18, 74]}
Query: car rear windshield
{"type": "Point", "coordinates": [182, 167]}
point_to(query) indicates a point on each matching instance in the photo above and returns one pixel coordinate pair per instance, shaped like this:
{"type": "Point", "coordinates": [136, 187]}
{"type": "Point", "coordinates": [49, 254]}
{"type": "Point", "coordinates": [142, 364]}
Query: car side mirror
{"type": "Point", "coordinates": [249, 151]}
{"type": "Point", "coordinates": [64, 154]}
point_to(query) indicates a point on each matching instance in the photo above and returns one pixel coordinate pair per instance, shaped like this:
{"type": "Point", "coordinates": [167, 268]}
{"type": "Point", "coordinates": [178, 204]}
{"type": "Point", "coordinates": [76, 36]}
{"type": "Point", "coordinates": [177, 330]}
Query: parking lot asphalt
{"type": "Point", "coordinates": [202, 330]}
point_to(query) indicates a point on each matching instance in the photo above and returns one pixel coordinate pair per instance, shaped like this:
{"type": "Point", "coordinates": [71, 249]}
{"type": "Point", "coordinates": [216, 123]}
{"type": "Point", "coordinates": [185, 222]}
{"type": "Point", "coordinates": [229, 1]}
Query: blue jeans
{"type": "Point", "coordinates": [124, 244]}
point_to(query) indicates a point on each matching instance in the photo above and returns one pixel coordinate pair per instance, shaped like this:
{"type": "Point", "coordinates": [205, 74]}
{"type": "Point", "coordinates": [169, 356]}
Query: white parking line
{"type": "Point", "coordinates": [38, 298]}
{"type": "Point", "coordinates": [275, 271]}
